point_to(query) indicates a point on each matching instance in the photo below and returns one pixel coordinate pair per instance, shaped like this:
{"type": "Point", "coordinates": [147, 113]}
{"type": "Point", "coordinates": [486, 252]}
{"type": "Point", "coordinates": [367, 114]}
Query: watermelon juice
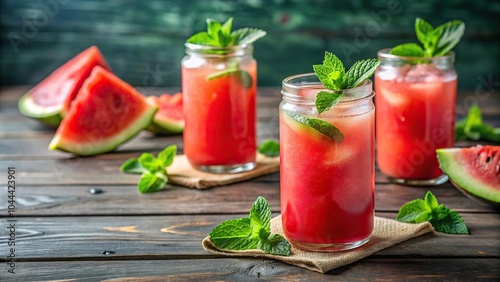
{"type": "Point", "coordinates": [415, 116]}
{"type": "Point", "coordinates": [219, 92]}
{"type": "Point", "coordinates": [327, 187]}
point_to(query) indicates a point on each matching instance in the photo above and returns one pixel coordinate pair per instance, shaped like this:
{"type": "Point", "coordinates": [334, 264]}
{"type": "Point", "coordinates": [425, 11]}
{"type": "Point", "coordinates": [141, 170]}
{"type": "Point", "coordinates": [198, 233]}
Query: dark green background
{"type": "Point", "coordinates": [143, 40]}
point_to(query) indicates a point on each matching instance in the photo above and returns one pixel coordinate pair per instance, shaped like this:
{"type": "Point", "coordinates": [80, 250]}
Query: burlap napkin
{"type": "Point", "coordinates": [182, 173]}
{"type": "Point", "coordinates": [387, 232]}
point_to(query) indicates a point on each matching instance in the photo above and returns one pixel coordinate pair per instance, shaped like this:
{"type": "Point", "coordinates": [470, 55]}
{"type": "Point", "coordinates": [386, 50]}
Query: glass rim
{"type": "Point", "coordinates": [385, 54]}
{"type": "Point", "coordinates": [222, 50]}
{"type": "Point", "coordinates": [348, 95]}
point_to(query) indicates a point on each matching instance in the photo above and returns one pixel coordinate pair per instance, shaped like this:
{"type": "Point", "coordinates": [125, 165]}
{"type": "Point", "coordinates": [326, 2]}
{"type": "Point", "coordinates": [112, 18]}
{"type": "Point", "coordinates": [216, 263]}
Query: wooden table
{"type": "Point", "coordinates": [65, 232]}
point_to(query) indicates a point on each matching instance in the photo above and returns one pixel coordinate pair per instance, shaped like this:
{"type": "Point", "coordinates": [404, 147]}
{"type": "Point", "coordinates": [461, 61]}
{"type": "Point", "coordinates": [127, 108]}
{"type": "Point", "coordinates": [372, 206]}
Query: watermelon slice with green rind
{"type": "Point", "coordinates": [50, 100]}
{"type": "Point", "coordinates": [475, 170]}
{"type": "Point", "coordinates": [106, 113]}
{"type": "Point", "coordinates": [169, 117]}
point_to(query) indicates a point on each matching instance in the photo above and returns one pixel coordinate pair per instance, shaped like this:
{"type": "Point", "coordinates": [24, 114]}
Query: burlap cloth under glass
{"type": "Point", "coordinates": [387, 232]}
{"type": "Point", "coordinates": [182, 173]}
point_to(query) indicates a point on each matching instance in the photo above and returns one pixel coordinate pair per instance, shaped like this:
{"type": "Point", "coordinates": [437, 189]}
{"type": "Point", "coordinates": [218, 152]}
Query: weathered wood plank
{"type": "Point", "coordinates": [250, 269]}
{"type": "Point", "coordinates": [236, 198]}
{"type": "Point", "coordinates": [180, 236]}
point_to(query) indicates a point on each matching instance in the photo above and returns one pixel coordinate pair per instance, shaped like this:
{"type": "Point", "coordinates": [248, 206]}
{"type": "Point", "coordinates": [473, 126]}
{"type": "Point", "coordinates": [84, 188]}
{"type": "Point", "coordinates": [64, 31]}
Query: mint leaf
{"type": "Point", "coordinates": [152, 182]}
{"type": "Point", "coordinates": [473, 128]}
{"type": "Point", "coordinates": [331, 73]}
{"type": "Point", "coordinates": [220, 35]}
{"type": "Point", "coordinates": [441, 217]}
{"type": "Point", "coordinates": [226, 27]}
{"type": "Point", "coordinates": [253, 232]}
{"type": "Point", "coordinates": [234, 234]}
{"type": "Point", "coordinates": [276, 244]}
{"type": "Point", "coordinates": [326, 100]}
{"type": "Point", "coordinates": [448, 34]}
{"type": "Point", "coordinates": [213, 30]}
{"type": "Point", "coordinates": [361, 71]}
{"type": "Point", "coordinates": [132, 166]}
{"type": "Point", "coordinates": [414, 212]}
{"type": "Point", "coordinates": [451, 224]}
{"type": "Point", "coordinates": [436, 41]}
{"type": "Point", "coordinates": [247, 35]}
{"type": "Point", "coordinates": [260, 214]}
{"type": "Point", "coordinates": [166, 157]}
{"type": "Point", "coordinates": [244, 78]}
{"type": "Point", "coordinates": [154, 175]}
{"type": "Point", "coordinates": [425, 34]}
{"type": "Point", "coordinates": [149, 162]}
{"type": "Point", "coordinates": [270, 148]}
{"type": "Point", "coordinates": [431, 201]}
{"type": "Point", "coordinates": [202, 38]}
{"type": "Point", "coordinates": [408, 50]}
{"type": "Point", "coordinates": [323, 127]}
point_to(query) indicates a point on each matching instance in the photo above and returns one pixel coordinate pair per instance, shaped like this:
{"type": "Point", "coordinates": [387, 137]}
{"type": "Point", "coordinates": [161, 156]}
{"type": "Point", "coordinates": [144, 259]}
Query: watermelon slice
{"type": "Point", "coordinates": [169, 118]}
{"type": "Point", "coordinates": [50, 100]}
{"type": "Point", "coordinates": [106, 113]}
{"type": "Point", "coordinates": [475, 171]}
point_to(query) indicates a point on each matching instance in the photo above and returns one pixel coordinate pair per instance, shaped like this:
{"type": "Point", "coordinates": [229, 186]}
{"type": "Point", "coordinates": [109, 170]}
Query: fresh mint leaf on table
{"type": "Point", "coordinates": [270, 148]}
{"type": "Point", "coordinates": [435, 41]}
{"type": "Point", "coordinates": [333, 76]}
{"type": "Point", "coordinates": [153, 170]}
{"type": "Point", "coordinates": [473, 128]}
{"type": "Point", "coordinates": [253, 232]}
{"type": "Point", "coordinates": [428, 209]}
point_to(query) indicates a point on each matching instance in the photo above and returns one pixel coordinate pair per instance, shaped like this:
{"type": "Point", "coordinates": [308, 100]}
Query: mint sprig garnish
{"type": "Point", "coordinates": [253, 232]}
{"type": "Point", "coordinates": [270, 148]}
{"type": "Point", "coordinates": [428, 209]}
{"type": "Point", "coordinates": [333, 76]}
{"type": "Point", "coordinates": [435, 41]}
{"type": "Point", "coordinates": [220, 35]}
{"type": "Point", "coordinates": [153, 170]}
{"type": "Point", "coordinates": [473, 128]}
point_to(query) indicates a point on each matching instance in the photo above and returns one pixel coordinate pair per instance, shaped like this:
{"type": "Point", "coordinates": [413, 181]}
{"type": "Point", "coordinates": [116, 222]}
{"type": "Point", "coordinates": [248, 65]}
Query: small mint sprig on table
{"type": "Point", "coordinates": [473, 128]}
{"type": "Point", "coordinates": [334, 77]}
{"type": "Point", "coordinates": [252, 232]}
{"type": "Point", "coordinates": [428, 209]}
{"type": "Point", "coordinates": [270, 148]}
{"type": "Point", "coordinates": [435, 41]}
{"type": "Point", "coordinates": [153, 170]}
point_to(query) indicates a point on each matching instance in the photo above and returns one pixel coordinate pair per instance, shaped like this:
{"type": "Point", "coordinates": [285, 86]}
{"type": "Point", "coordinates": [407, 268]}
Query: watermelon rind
{"type": "Point", "coordinates": [94, 148]}
{"type": "Point", "coordinates": [47, 115]}
{"type": "Point", "coordinates": [455, 167]}
{"type": "Point", "coordinates": [164, 125]}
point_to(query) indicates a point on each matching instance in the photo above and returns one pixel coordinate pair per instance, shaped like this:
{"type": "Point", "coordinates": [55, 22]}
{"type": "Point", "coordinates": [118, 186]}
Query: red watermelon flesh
{"type": "Point", "coordinates": [169, 118]}
{"type": "Point", "coordinates": [54, 94]}
{"type": "Point", "coordinates": [106, 113]}
{"type": "Point", "coordinates": [475, 170]}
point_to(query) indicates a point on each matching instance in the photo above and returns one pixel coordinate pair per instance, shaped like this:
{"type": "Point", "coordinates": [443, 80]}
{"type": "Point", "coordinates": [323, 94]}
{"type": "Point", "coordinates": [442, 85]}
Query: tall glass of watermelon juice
{"type": "Point", "coordinates": [327, 186]}
{"type": "Point", "coordinates": [415, 116]}
{"type": "Point", "coordinates": [219, 92]}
